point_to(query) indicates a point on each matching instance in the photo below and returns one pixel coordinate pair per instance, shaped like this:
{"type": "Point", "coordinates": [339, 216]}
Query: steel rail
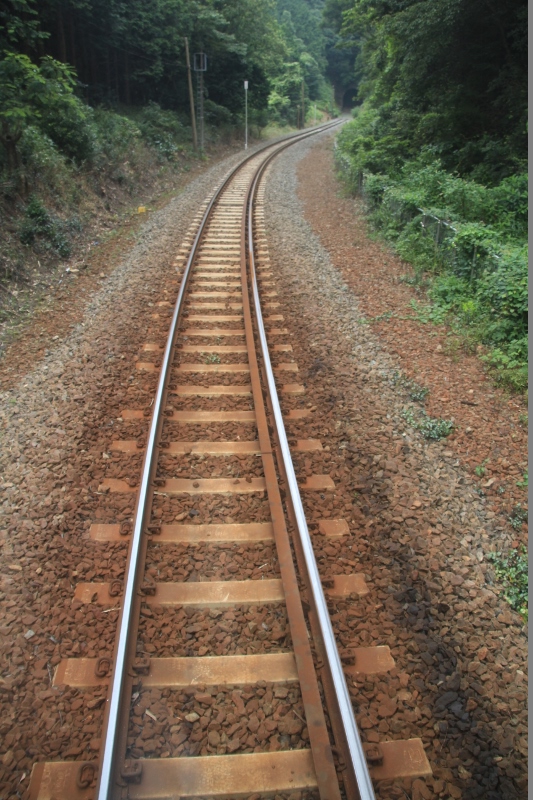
{"type": "Point", "coordinates": [115, 701]}
{"type": "Point", "coordinates": [353, 740]}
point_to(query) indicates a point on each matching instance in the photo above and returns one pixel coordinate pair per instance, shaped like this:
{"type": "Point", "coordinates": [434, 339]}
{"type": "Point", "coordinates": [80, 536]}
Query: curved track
{"type": "Point", "coordinates": [216, 422]}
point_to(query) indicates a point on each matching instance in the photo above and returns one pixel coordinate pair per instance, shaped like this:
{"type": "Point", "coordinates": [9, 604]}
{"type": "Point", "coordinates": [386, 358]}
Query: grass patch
{"type": "Point", "coordinates": [480, 469]}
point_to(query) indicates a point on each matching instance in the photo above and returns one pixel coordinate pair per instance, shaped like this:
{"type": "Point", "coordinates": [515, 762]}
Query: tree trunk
{"type": "Point", "coordinates": [61, 36]}
{"type": "Point", "coordinates": [108, 71]}
{"type": "Point", "coordinates": [117, 77]}
{"type": "Point", "coordinates": [10, 140]}
{"type": "Point", "coordinates": [72, 36]}
{"type": "Point", "coordinates": [127, 79]}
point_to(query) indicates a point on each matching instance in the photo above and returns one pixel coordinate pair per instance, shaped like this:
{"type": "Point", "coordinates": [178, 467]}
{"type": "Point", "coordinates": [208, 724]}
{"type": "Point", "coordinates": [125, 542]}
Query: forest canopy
{"type": "Point", "coordinates": [133, 53]}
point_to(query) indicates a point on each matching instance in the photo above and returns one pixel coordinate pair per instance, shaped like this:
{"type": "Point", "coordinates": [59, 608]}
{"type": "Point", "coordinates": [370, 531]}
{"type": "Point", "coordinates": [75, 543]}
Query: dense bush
{"type": "Point", "coordinates": [117, 135]}
{"type": "Point", "coordinates": [163, 130]}
{"type": "Point", "coordinates": [43, 163]}
{"type": "Point", "coordinates": [467, 239]}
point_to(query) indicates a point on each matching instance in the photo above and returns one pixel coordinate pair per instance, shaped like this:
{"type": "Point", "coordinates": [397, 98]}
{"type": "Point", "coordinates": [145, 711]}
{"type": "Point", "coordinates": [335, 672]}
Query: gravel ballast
{"type": "Point", "coordinates": [58, 423]}
{"type": "Point", "coordinates": [419, 531]}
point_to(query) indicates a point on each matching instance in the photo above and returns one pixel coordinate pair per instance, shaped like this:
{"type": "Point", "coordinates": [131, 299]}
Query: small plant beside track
{"type": "Point", "coordinates": [430, 427]}
{"type": "Point", "coordinates": [511, 569]}
{"type": "Point", "coordinates": [416, 392]}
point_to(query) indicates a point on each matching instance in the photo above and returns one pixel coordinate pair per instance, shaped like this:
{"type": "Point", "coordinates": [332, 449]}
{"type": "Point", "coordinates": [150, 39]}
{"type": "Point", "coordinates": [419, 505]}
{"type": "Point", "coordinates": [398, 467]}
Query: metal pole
{"type": "Point", "coordinates": [191, 96]}
{"type": "Point", "coordinates": [303, 103]}
{"type": "Point", "coordinates": [200, 66]}
{"type": "Point", "coordinates": [246, 115]}
{"type": "Point", "coordinates": [200, 106]}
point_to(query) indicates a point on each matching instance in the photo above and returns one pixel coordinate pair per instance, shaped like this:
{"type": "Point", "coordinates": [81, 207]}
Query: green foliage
{"type": "Point", "coordinates": [428, 313]}
{"type": "Point", "coordinates": [505, 291]}
{"type": "Point", "coordinates": [518, 517]}
{"type": "Point", "coordinates": [133, 54]}
{"type": "Point", "coordinates": [449, 74]}
{"type": "Point", "coordinates": [464, 240]}
{"type": "Point", "coordinates": [523, 484]}
{"type": "Point", "coordinates": [480, 470]}
{"type": "Point", "coordinates": [117, 135]}
{"type": "Point", "coordinates": [430, 427]}
{"type": "Point", "coordinates": [438, 149]}
{"type": "Point", "coordinates": [162, 130]}
{"type": "Point", "coordinates": [417, 393]}
{"type": "Point", "coordinates": [38, 224]}
{"type": "Point", "coordinates": [19, 25]}
{"type": "Point", "coordinates": [509, 365]}
{"type": "Point", "coordinates": [435, 427]}
{"type": "Point", "coordinates": [43, 163]}
{"type": "Point", "coordinates": [512, 570]}
{"type": "Point", "coordinates": [64, 117]}
{"type": "Point", "coordinates": [42, 96]}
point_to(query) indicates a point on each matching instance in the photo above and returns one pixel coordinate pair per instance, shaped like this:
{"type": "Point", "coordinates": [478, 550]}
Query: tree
{"type": "Point", "coordinates": [43, 95]}
{"type": "Point", "coordinates": [450, 73]}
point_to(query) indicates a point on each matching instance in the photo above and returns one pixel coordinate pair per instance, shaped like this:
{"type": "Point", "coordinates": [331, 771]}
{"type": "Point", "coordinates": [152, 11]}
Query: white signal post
{"type": "Point", "coordinates": [246, 115]}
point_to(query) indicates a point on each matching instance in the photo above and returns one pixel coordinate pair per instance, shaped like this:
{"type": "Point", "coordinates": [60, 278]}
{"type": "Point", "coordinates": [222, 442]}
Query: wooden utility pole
{"type": "Point", "coordinates": [191, 95]}
{"type": "Point", "coordinates": [303, 103]}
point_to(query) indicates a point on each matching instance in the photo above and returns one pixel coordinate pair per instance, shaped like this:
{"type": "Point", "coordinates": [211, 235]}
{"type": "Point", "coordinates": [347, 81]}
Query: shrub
{"type": "Point", "coordinates": [38, 223]}
{"type": "Point", "coordinates": [70, 125]}
{"type": "Point", "coordinates": [117, 134]}
{"type": "Point", "coordinates": [43, 163]}
{"type": "Point", "coordinates": [505, 293]}
{"type": "Point", "coordinates": [430, 427]}
{"type": "Point", "coordinates": [162, 130]}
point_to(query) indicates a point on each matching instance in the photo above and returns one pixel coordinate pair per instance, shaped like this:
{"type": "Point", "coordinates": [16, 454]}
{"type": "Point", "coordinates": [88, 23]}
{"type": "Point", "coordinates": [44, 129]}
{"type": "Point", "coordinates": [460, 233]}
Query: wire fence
{"type": "Point", "coordinates": [451, 248]}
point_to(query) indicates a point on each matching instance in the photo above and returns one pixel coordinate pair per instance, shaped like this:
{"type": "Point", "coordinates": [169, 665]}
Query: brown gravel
{"type": "Point", "coordinates": [214, 563]}
{"type": "Point", "coordinates": [61, 410]}
{"type": "Point", "coordinates": [419, 529]}
{"type": "Point", "coordinates": [213, 632]}
{"type": "Point", "coordinates": [215, 720]}
{"type": "Point", "coordinates": [418, 532]}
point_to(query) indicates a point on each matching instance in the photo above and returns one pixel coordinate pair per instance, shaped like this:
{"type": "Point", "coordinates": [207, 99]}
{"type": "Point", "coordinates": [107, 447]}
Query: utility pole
{"type": "Point", "coordinates": [303, 103]}
{"type": "Point", "coordinates": [200, 66]}
{"type": "Point", "coordinates": [191, 96]}
{"type": "Point", "coordinates": [246, 115]}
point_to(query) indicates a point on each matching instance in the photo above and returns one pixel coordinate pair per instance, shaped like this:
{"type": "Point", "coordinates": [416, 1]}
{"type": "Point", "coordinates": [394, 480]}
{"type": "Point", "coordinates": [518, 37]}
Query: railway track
{"type": "Point", "coordinates": [226, 680]}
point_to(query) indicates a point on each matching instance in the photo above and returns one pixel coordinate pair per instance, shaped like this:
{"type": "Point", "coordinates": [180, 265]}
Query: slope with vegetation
{"type": "Point", "coordinates": [438, 148]}
{"type": "Point", "coordinates": [94, 103]}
